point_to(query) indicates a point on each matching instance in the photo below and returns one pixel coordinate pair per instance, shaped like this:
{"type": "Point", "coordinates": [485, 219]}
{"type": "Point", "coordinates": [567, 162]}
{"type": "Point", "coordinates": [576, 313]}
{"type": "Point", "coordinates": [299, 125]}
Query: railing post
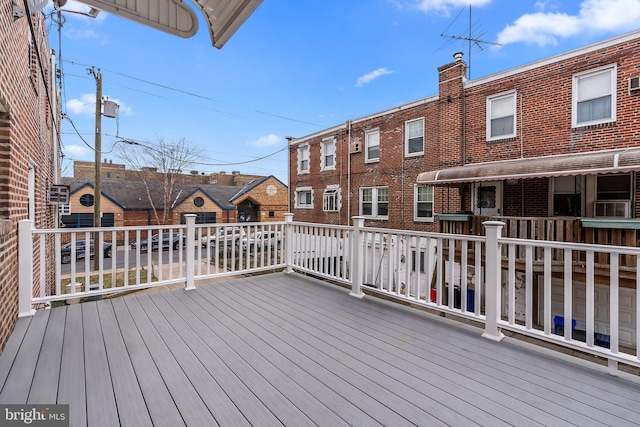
{"type": "Point", "coordinates": [288, 243]}
{"type": "Point", "coordinates": [356, 257]}
{"type": "Point", "coordinates": [25, 268]}
{"type": "Point", "coordinates": [493, 286]}
{"type": "Point", "coordinates": [190, 251]}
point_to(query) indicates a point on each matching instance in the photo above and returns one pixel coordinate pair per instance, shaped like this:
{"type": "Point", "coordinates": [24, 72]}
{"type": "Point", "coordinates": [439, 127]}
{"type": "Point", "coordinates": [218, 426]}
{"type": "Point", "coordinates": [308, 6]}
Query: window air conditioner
{"type": "Point", "coordinates": [355, 147]}
{"type": "Point", "coordinates": [611, 208]}
{"type": "Point", "coordinates": [634, 84]}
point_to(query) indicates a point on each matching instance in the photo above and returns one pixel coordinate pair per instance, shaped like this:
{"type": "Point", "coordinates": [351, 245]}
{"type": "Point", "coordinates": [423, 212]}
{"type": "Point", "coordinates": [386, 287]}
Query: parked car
{"type": "Point", "coordinates": [230, 235]}
{"type": "Point", "coordinates": [81, 249]}
{"type": "Point", "coordinates": [261, 239]}
{"type": "Point", "coordinates": [174, 240]}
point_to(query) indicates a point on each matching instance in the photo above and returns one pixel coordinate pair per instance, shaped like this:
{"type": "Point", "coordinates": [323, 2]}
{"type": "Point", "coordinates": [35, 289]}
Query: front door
{"type": "Point", "coordinates": [487, 198]}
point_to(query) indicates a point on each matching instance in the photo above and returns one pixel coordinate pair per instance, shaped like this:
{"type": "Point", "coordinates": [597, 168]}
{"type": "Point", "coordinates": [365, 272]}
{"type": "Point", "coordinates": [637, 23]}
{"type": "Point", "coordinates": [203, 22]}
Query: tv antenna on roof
{"type": "Point", "coordinates": [470, 38]}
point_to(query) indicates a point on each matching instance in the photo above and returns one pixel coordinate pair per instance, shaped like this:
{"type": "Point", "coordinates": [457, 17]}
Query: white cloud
{"type": "Point", "coordinates": [80, 11]}
{"type": "Point", "coordinates": [544, 28]}
{"type": "Point", "coordinates": [444, 6]}
{"type": "Point", "coordinates": [372, 76]}
{"type": "Point", "coordinates": [76, 151]}
{"type": "Point", "coordinates": [87, 105]}
{"type": "Point", "coordinates": [266, 141]}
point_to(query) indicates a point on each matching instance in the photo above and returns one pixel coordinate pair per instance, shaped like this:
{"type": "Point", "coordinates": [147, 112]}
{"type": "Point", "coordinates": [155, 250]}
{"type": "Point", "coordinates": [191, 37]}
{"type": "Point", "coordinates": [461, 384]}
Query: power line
{"type": "Point", "coordinates": [195, 95]}
{"type": "Point", "coordinates": [132, 142]}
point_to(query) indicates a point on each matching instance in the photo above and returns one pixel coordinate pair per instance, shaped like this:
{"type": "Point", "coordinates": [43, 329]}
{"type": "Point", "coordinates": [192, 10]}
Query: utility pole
{"type": "Point", "coordinates": [98, 161]}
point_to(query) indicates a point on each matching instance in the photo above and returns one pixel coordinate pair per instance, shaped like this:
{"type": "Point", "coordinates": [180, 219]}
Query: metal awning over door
{"type": "Point", "coordinates": [600, 162]}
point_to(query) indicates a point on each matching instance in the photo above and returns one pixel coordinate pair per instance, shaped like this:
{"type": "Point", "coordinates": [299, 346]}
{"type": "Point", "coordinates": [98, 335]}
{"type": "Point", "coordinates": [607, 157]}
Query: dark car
{"type": "Point", "coordinates": [81, 249]}
{"type": "Point", "coordinates": [174, 240]}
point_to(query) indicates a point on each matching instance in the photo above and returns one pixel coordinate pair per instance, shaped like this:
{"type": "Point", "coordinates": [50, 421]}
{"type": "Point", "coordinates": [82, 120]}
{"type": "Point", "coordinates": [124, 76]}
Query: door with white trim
{"type": "Point", "coordinates": [487, 198]}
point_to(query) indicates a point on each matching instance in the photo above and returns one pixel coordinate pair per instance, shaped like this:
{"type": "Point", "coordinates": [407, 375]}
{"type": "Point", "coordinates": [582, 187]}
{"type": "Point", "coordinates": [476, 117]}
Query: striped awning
{"type": "Point", "coordinates": [599, 162]}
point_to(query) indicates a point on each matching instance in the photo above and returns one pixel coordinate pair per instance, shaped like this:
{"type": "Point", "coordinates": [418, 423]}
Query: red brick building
{"type": "Point", "coordinates": [550, 148]}
{"type": "Point", "coordinates": [29, 117]}
{"type": "Point", "coordinates": [558, 137]}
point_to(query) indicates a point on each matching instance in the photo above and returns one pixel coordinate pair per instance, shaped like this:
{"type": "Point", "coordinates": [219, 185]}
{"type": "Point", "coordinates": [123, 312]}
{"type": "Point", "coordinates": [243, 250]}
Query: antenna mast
{"type": "Point", "coordinates": [471, 40]}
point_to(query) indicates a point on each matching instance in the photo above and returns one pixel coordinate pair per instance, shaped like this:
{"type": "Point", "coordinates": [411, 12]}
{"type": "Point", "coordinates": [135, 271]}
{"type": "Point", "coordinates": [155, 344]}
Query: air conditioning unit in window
{"type": "Point", "coordinates": [634, 84]}
{"type": "Point", "coordinates": [355, 147]}
{"type": "Point", "coordinates": [612, 208]}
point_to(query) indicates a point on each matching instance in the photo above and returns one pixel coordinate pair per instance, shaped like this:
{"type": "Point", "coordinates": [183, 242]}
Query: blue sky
{"type": "Point", "coordinates": [296, 67]}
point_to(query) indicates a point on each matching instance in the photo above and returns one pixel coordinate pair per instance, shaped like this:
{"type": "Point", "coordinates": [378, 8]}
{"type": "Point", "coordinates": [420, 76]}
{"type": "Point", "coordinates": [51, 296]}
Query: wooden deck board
{"type": "Point", "coordinates": [281, 354]}
{"type": "Point", "coordinates": [233, 353]}
{"type": "Point", "coordinates": [45, 379]}
{"type": "Point", "coordinates": [523, 392]}
{"type": "Point", "coordinates": [101, 401]}
{"type": "Point", "coordinates": [519, 366]}
{"type": "Point", "coordinates": [12, 347]}
{"type": "Point", "coordinates": [212, 395]}
{"type": "Point", "coordinates": [283, 349]}
{"type": "Point", "coordinates": [192, 409]}
{"type": "Point", "coordinates": [436, 392]}
{"type": "Point", "coordinates": [301, 401]}
{"type": "Point", "coordinates": [337, 360]}
{"type": "Point", "coordinates": [186, 324]}
{"type": "Point", "coordinates": [18, 382]}
{"type": "Point", "coordinates": [132, 409]}
{"type": "Point", "coordinates": [160, 404]}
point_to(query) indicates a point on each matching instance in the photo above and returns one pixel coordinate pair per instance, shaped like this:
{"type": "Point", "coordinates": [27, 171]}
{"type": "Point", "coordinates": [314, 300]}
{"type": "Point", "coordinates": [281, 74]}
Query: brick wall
{"type": "Point", "coordinates": [26, 130]}
{"type": "Point", "coordinates": [455, 134]}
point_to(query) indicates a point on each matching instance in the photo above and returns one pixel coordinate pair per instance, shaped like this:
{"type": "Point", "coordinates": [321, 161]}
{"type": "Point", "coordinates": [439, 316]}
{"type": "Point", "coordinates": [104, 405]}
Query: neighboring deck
{"type": "Point", "coordinates": [277, 349]}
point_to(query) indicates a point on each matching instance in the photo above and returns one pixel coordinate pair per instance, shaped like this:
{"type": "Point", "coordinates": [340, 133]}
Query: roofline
{"type": "Point", "coordinates": [251, 186]}
{"type": "Point", "coordinates": [633, 35]}
{"type": "Point", "coordinates": [102, 192]}
{"type": "Point", "coordinates": [315, 134]}
{"type": "Point", "coordinates": [367, 117]}
{"type": "Point", "coordinates": [213, 199]}
{"type": "Point", "coordinates": [400, 107]}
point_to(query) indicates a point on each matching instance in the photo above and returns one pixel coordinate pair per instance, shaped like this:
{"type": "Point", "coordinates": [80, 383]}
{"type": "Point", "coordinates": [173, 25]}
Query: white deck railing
{"type": "Point", "coordinates": [481, 278]}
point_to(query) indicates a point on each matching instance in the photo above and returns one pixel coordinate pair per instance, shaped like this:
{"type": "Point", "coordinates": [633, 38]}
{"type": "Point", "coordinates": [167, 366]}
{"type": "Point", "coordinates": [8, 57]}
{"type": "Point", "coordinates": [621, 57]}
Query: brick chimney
{"type": "Point", "coordinates": [451, 111]}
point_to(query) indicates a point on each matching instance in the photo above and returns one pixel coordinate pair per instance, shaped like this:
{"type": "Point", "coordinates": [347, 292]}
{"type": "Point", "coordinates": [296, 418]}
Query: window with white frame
{"type": "Point", "coordinates": [414, 137]}
{"type": "Point", "coordinates": [331, 199]}
{"type": "Point", "coordinates": [423, 203]}
{"type": "Point", "coordinates": [328, 154]}
{"type": "Point", "coordinates": [613, 195]}
{"type": "Point", "coordinates": [501, 116]}
{"type": "Point", "coordinates": [303, 198]}
{"type": "Point", "coordinates": [374, 202]}
{"type": "Point", "coordinates": [594, 97]}
{"type": "Point", "coordinates": [372, 146]}
{"type": "Point", "coordinates": [303, 159]}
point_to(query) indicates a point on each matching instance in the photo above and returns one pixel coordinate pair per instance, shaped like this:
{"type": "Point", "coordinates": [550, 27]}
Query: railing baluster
{"type": "Point", "coordinates": [568, 293]}
{"type": "Point", "coordinates": [547, 290]}
{"type": "Point", "coordinates": [512, 284]}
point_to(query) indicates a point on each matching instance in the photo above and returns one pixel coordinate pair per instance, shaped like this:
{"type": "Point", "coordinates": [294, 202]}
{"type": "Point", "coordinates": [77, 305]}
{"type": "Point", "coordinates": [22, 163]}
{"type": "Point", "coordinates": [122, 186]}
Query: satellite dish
{"type": "Point", "coordinates": [36, 5]}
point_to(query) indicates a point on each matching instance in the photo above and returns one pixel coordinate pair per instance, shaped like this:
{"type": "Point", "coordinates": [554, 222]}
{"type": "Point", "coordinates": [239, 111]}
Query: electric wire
{"type": "Point", "coordinates": [184, 92]}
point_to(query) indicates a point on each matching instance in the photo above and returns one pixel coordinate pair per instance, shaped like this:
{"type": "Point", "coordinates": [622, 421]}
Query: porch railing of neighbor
{"type": "Point", "coordinates": [576, 295]}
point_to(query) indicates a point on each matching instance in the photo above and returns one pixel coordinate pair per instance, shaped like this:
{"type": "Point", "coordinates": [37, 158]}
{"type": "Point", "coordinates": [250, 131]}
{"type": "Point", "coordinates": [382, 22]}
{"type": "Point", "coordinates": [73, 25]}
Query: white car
{"type": "Point", "coordinates": [262, 240]}
{"type": "Point", "coordinates": [224, 236]}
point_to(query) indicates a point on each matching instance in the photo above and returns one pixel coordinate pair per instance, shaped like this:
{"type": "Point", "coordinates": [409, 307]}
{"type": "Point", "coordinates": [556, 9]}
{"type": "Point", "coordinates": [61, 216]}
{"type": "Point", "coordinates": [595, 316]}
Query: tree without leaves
{"type": "Point", "coordinates": [165, 161]}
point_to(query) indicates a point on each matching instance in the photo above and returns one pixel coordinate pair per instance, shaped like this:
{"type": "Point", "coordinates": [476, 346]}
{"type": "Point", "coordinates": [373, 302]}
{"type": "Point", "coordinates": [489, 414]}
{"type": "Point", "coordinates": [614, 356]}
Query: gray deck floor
{"type": "Point", "coordinates": [287, 350]}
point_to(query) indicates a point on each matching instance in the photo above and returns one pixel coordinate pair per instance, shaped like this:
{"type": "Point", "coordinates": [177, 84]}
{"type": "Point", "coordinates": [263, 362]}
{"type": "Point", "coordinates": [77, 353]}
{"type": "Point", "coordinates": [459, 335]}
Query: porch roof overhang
{"type": "Point", "coordinates": [223, 17]}
{"type": "Point", "coordinates": [600, 162]}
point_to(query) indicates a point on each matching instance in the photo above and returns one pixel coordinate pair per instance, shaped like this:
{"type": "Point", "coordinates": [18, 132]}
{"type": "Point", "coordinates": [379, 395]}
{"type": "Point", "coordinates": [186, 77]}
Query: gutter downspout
{"type": "Point", "coordinates": [349, 172]}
